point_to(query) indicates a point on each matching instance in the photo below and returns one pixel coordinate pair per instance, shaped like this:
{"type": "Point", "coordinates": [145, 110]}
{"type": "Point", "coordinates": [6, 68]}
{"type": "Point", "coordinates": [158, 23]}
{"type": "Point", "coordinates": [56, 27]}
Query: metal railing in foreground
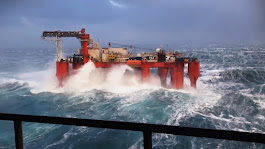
{"type": "Point", "coordinates": [147, 129]}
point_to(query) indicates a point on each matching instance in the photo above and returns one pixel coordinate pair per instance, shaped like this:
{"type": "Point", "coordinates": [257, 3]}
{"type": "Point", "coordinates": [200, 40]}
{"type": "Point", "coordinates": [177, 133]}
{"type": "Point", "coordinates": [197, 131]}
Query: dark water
{"type": "Point", "coordinates": [230, 96]}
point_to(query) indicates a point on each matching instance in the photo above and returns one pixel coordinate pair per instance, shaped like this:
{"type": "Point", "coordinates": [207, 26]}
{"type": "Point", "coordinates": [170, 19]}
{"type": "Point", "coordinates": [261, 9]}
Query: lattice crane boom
{"type": "Point", "coordinates": [58, 42]}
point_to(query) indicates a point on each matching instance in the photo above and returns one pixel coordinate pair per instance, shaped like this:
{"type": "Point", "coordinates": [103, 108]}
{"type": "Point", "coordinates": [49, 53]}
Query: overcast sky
{"type": "Point", "coordinates": [140, 22]}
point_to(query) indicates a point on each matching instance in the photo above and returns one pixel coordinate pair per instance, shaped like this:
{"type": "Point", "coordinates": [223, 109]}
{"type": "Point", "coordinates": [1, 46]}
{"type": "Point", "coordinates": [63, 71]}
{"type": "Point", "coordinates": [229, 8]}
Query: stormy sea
{"type": "Point", "coordinates": [230, 95]}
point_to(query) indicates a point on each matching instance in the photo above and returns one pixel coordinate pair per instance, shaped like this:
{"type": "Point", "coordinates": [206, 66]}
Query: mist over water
{"type": "Point", "coordinates": [230, 95]}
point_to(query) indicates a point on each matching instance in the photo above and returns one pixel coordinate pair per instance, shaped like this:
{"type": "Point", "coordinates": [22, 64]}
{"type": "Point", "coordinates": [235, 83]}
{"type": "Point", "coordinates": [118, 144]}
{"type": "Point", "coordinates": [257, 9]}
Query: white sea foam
{"type": "Point", "coordinates": [86, 78]}
{"type": "Point", "coordinates": [114, 80]}
{"type": "Point", "coordinates": [203, 96]}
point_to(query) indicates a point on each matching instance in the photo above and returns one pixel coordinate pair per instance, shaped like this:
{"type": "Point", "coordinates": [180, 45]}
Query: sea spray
{"type": "Point", "coordinates": [118, 79]}
{"type": "Point", "coordinates": [82, 80]}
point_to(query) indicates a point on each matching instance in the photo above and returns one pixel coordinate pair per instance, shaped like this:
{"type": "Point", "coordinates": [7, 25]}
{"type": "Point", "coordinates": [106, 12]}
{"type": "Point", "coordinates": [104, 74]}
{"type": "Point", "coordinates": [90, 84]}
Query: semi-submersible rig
{"type": "Point", "coordinates": [108, 57]}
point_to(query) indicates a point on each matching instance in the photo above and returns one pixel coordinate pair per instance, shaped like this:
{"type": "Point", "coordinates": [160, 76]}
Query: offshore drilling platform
{"type": "Point", "coordinates": [165, 62]}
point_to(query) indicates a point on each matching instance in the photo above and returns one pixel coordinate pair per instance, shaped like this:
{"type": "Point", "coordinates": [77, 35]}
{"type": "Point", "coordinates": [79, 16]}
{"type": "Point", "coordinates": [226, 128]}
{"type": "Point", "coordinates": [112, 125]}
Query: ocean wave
{"type": "Point", "coordinates": [244, 76]}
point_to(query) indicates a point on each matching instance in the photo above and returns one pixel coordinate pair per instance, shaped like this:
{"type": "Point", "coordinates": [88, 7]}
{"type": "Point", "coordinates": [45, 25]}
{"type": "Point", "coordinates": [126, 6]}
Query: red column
{"type": "Point", "coordinates": [173, 73]}
{"type": "Point", "coordinates": [85, 50]}
{"type": "Point", "coordinates": [62, 72]}
{"type": "Point", "coordinates": [193, 73]}
{"type": "Point", "coordinates": [162, 73]}
{"type": "Point", "coordinates": [84, 42]}
{"type": "Point", "coordinates": [177, 76]}
{"type": "Point", "coordinates": [180, 75]}
{"type": "Point", "coordinates": [145, 73]}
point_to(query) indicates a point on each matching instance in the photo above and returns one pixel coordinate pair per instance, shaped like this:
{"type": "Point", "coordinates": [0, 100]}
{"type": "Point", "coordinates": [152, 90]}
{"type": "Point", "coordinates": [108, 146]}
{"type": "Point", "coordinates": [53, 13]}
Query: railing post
{"type": "Point", "coordinates": [18, 134]}
{"type": "Point", "coordinates": [147, 139]}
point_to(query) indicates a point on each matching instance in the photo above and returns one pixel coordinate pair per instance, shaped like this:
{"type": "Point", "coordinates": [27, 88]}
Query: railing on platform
{"type": "Point", "coordinates": [147, 129]}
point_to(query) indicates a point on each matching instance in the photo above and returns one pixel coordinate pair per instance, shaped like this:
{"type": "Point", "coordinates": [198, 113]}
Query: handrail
{"type": "Point", "coordinates": [147, 129]}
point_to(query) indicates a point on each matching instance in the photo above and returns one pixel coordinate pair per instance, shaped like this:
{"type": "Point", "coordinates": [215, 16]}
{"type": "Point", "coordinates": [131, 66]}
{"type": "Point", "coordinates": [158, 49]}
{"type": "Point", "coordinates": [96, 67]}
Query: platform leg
{"type": "Point", "coordinates": [62, 71]}
{"type": "Point", "coordinates": [177, 76]}
{"type": "Point", "coordinates": [162, 73]}
{"type": "Point", "coordinates": [145, 74]}
{"type": "Point", "coordinates": [193, 73]}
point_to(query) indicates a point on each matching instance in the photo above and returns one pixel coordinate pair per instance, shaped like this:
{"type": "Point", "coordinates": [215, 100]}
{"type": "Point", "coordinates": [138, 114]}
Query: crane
{"type": "Point", "coordinates": [58, 42]}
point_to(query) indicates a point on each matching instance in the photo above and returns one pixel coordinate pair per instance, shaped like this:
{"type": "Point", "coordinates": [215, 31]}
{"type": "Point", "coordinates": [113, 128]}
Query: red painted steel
{"type": "Point", "coordinates": [193, 73]}
{"type": "Point", "coordinates": [62, 71]}
{"type": "Point", "coordinates": [176, 70]}
{"type": "Point", "coordinates": [84, 42]}
{"type": "Point", "coordinates": [137, 63]}
{"type": "Point", "coordinates": [173, 75]}
{"type": "Point", "coordinates": [107, 64]}
{"type": "Point", "coordinates": [177, 76]}
{"type": "Point", "coordinates": [145, 72]}
{"type": "Point", "coordinates": [180, 75]}
{"type": "Point", "coordinates": [102, 64]}
{"type": "Point", "coordinates": [134, 63]}
{"type": "Point", "coordinates": [162, 73]}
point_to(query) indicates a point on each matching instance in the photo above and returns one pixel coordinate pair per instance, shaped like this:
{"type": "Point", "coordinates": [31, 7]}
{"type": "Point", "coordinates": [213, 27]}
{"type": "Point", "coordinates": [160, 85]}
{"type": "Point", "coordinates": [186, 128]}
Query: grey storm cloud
{"type": "Point", "coordinates": [140, 21]}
